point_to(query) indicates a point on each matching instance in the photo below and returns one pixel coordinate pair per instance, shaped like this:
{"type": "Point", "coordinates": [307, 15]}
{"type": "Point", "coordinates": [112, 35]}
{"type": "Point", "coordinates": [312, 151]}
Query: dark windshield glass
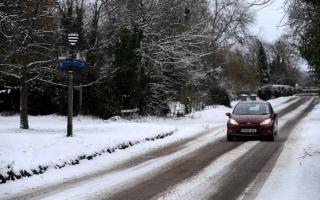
{"type": "Point", "coordinates": [251, 109]}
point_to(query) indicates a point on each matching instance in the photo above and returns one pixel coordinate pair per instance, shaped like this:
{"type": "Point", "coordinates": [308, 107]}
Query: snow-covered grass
{"type": "Point", "coordinates": [45, 146]}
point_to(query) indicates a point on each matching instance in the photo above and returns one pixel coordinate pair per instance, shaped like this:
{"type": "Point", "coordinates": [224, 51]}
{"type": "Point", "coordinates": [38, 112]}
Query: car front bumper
{"type": "Point", "coordinates": [242, 131]}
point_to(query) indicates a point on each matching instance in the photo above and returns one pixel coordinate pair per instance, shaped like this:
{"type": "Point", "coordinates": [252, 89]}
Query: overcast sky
{"type": "Point", "coordinates": [269, 21]}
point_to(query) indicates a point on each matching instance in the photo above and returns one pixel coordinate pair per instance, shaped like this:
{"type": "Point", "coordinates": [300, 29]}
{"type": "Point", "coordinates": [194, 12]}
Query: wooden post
{"type": "Point", "coordinates": [70, 105]}
{"type": "Point", "coordinates": [80, 99]}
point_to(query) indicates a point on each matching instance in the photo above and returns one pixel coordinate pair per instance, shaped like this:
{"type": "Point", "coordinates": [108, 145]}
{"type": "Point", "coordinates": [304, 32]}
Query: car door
{"type": "Point", "coordinates": [274, 116]}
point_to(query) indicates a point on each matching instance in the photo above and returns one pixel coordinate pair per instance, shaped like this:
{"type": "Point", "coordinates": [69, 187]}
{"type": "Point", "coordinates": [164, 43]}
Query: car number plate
{"type": "Point", "coordinates": [248, 130]}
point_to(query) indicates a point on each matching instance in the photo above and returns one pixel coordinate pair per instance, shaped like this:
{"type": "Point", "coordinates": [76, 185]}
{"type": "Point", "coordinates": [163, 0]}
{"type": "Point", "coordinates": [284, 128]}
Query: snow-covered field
{"type": "Point", "coordinates": [45, 143]}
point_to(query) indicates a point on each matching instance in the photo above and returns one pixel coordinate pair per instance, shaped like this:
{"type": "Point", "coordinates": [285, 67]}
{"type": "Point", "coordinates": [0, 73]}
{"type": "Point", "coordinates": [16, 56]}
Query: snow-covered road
{"type": "Point", "coordinates": [195, 162]}
{"type": "Point", "coordinates": [296, 174]}
{"type": "Point", "coordinates": [243, 175]}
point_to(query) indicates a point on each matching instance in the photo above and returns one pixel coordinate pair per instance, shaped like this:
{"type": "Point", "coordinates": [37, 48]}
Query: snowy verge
{"type": "Point", "coordinates": [11, 173]}
{"type": "Point", "coordinates": [28, 152]}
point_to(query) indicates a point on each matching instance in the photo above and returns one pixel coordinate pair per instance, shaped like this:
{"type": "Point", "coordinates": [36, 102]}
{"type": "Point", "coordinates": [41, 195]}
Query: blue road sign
{"type": "Point", "coordinates": [65, 64]}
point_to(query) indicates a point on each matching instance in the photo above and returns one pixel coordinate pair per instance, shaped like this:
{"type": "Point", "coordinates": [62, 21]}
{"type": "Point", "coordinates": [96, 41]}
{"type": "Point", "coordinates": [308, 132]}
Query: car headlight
{"type": "Point", "coordinates": [233, 122]}
{"type": "Point", "coordinates": [266, 122]}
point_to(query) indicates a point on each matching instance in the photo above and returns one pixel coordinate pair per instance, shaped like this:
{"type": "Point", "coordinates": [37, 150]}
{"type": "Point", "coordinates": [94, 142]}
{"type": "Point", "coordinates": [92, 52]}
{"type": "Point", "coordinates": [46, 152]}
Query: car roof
{"type": "Point", "coordinates": [253, 102]}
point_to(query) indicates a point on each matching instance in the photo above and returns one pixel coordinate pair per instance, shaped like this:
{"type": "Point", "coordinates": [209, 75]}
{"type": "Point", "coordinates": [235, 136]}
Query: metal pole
{"type": "Point", "coordinates": [70, 104]}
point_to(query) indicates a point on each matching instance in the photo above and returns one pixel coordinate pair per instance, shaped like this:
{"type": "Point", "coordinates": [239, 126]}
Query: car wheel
{"type": "Point", "coordinates": [229, 138]}
{"type": "Point", "coordinates": [271, 138]}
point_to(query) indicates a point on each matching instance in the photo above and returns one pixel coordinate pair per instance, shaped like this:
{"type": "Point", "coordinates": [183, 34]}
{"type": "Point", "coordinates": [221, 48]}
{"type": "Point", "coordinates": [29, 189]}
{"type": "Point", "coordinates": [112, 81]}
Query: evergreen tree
{"type": "Point", "coordinates": [309, 48]}
{"type": "Point", "coordinates": [304, 18]}
{"type": "Point", "coordinates": [263, 69]}
{"type": "Point", "coordinates": [127, 76]}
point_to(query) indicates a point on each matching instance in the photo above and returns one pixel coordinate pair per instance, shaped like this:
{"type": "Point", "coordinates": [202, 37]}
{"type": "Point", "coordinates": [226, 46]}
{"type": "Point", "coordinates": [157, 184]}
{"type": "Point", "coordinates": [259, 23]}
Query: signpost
{"type": "Point", "coordinates": [73, 38]}
{"type": "Point", "coordinates": [69, 64]}
{"type": "Point", "coordinates": [70, 104]}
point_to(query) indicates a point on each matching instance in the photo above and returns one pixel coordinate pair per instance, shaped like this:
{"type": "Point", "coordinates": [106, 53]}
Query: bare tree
{"type": "Point", "coordinates": [26, 34]}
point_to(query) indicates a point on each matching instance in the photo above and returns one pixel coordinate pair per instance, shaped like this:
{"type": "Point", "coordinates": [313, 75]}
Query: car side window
{"type": "Point", "coordinates": [271, 109]}
{"type": "Point", "coordinates": [265, 109]}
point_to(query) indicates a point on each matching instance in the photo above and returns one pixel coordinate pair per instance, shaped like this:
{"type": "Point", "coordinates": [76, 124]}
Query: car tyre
{"type": "Point", "coordinates": [271, 138]}
{"type": "Point", "coordinates": [229, 138]}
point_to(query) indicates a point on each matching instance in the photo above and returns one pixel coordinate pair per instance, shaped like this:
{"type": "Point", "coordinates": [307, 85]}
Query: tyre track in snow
{"type": "Point", "coordinates": [287, 101]}
{"type": "Point", "coordinates": [261, 159]}
{"type": "Point", "coordinates": [177, 171]}
{"type": "Point", "coordinates": [187, 167]}
{"type": "Point", "coordinates": [253, 190]}
{"type": "Point", "coordinates": [292, 106]}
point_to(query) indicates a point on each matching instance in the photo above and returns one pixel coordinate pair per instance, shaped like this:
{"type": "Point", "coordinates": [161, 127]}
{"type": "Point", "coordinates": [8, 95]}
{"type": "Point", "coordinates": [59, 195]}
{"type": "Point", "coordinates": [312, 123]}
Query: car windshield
{"type": "Point", "coordinates": [251, 109]}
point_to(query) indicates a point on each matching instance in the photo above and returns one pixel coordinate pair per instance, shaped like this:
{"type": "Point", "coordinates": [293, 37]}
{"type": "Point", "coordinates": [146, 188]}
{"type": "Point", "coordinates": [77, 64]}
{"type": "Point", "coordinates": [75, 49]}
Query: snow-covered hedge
{"type": "Point", "coordinates": [10, 173]}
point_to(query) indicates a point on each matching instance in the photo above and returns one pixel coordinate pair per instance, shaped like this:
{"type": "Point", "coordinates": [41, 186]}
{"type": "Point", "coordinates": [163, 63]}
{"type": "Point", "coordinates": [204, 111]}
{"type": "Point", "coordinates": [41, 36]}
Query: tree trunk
{"type": "Point", "coordinates": [24, 124]}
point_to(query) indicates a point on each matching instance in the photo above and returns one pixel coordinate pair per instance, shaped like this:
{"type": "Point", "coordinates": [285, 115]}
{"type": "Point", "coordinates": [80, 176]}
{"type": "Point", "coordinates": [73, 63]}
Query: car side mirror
{"type": "Point", "coordinates": [228, 114]}
{"type": "Point", "coordinates": [275, 115]}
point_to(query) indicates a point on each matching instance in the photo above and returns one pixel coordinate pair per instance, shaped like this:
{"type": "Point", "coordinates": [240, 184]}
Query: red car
{"type": "Point", "coordinates": [252, 119]}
